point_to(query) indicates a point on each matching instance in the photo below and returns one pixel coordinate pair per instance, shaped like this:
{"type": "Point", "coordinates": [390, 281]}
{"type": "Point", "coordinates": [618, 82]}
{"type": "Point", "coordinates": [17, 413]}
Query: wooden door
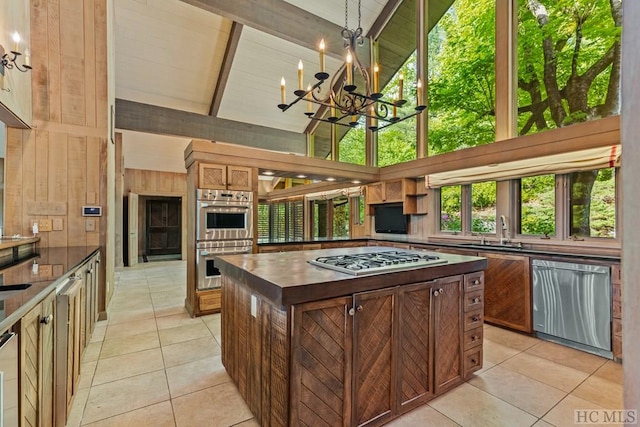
{"type": "Point", "coordinates": [164, 227]}
{"type": "Point", "coordinates": [133, 229]}
{"type": "Point", "coordinates": [415, 381]}
{"type": "Point", "coordinates": [507, 292]}
{"type": "Point", "coordinates": [447, 318]}
{"type": "Point", "coordinates": [321, 390]}
{"type": "Point", "coordinates": [374, 375]}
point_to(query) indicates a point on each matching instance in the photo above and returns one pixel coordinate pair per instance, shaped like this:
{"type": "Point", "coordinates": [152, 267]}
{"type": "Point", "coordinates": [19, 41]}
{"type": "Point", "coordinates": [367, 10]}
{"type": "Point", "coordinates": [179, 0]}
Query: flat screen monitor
{"type": "Point", "coordinates": [390, 219]}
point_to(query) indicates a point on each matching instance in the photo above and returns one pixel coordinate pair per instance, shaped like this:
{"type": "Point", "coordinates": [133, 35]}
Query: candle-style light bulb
{"type": "Point", "coordinates": [419, 92]}
{"type": "Point", "coordinates": [309, 109]}
{"type": "Point", "coordinates": [395, 110]}
{"type": "Point", "coordinates": [27, 57]}
{"type": "Point", "coordinates": [300, 77]}
{"type": "Point", "coordinates": [282, 92]}
{"type": "Point", "coordinates": [333, 107]}
{"type": "Point", "coordinates": [16, 41]}
{"type": "Point", "coordinates": [349, 68]}
{"type": "Point", "coordinates": [322, 48]}
{"type": "Point", "coordinates": [400, 85]}
{"type": "Point", "coordinates": [376, 78]}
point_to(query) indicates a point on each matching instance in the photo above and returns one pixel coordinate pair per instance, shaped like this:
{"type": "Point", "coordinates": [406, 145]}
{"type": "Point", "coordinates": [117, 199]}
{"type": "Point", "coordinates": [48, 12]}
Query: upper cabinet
{"type": "Point", "coordinates": [222, 177]}
{"type": "Point", "coordinates": [394, 191]}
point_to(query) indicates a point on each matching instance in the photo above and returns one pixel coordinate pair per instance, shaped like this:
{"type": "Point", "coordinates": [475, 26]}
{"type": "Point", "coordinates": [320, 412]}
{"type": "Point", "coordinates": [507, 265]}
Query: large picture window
{"type": "Point", "coordinates": [538, 205]}
{"type": "Point", "coordinates": [592, 203]}
{"type": "Point", "coordinates": [483, 207]}
{"type": "Point", "coordinates": [451, 208]}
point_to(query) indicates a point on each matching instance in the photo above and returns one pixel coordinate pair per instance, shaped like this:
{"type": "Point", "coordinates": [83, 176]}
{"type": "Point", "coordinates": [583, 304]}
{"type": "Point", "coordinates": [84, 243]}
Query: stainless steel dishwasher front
{"type": "Point", "coordinates": [572, 304]}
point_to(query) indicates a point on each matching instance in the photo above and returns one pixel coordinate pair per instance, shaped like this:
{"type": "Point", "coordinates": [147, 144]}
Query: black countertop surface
{"type": "Point", "coordinates": [46, 269]}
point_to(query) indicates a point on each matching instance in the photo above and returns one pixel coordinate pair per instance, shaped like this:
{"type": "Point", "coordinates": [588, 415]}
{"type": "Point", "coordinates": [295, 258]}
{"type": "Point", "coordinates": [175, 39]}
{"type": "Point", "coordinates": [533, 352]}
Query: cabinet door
{"type": "Point", "coordinates": [375, 193]}
{"type": "Point", "coordinates": [374, 375]}
{"type": "Point", "coordinates": [507, 291]}
{"type": "Point", "coordinates": [393, 191]}
{"type": "Point", "coordinates": [321, 363]}
{"type": "Point", "coordinates": [37, 344]}
{"type": "Point", "coordinates": [415, 382]}
{"type": "Point", "coordinates": [238, 178]}
{"type": "Point", "coordinates": [447, 307]}
{"type": "Point", "coordinates": [212, 177]}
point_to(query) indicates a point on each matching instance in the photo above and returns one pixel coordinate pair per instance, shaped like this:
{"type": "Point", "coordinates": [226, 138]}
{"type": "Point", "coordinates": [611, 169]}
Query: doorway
{"type": "Point", "coordinates": [163, 227]}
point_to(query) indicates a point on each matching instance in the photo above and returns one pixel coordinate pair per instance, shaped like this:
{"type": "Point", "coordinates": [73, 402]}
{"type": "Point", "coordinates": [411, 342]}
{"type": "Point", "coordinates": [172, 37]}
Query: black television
{"type": "Point", "coordinates": [390, 219]}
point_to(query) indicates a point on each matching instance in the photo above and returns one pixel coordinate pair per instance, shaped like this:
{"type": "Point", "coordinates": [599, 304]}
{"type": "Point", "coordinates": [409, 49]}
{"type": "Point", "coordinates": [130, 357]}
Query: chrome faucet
{"type": "Point", "coordinates": [504, 230]}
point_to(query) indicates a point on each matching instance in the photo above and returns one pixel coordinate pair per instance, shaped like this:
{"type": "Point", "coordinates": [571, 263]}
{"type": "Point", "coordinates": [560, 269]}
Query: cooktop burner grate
{"type": "Point", "coordinates": [378, 262]}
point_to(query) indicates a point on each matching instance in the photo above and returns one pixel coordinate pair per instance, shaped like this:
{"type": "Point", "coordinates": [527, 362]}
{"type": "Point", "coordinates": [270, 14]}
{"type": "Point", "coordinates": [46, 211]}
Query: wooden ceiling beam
{"type": "Point", "coordinates": [147, 118]}
{"type": "Point", "coordinates": [280, 19]}
{"type": "Point", "coordinates": [225, 69]}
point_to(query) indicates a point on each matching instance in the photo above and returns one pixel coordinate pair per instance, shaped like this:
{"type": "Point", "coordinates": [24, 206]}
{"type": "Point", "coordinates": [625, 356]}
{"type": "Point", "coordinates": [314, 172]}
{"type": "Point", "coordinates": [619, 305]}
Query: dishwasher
{"type": "Point", "coordinates": [572, 305]}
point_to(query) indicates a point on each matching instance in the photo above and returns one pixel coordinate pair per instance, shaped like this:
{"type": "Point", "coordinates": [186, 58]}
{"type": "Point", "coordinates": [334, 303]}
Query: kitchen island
{"type": "Point", "coordinates": [307, 345]}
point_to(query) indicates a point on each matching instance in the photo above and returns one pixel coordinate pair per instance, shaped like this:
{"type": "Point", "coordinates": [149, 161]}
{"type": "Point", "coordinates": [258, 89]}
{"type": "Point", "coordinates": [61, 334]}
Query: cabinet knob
{"type": "Point", "coordinates": [474, 338]}
{"type": "Point", "coordinates": [359, 308]}
{"type": "Point", "coordinates": [436, 293]}
{"type": "Point", "coordinates": [475, 318]}
{"type": "Point", "coordinates": [474, 360]}
{"type": "Point", "coordinates": [352, 311]}
{"type": "Point", "coordinates": [476, 282]}
{"type": "Point", "coordinates": [47, 319]}
{"type": "Point", "coordinates": [476, 300]}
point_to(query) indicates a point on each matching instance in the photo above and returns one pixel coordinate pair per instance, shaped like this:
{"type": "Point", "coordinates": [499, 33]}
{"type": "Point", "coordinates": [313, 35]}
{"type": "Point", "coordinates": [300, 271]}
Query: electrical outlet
{"type": "Point", "coordinates": [46, 270]}
{"type": "Point", "coordinates": [58, 270]}
{"type": "Point", "coordinates": [90, 225]}
{"type": "Point", "coordinates": [44, 225]}
{"type": "Point", "coordinates": [58, 224]}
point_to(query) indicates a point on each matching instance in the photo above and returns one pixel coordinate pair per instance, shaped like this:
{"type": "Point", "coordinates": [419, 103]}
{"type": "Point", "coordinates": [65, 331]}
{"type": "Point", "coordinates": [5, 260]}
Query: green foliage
{"type": "Point", "coordinates": [450, 208]}
{"type": "Point", "coordinates": [537, 194]}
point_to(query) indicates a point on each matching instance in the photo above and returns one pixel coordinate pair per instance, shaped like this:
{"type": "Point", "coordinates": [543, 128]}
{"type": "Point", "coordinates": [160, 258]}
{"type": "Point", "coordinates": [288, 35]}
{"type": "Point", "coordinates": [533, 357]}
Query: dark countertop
{"type": "Point", "coordinates": [10, 242]}
{"type": "Point", "coordinates": [286, 278]}
{"type": "Point", "coordinates": [575, 252]}
{"type": "Point", "coordinates": [53, 266]}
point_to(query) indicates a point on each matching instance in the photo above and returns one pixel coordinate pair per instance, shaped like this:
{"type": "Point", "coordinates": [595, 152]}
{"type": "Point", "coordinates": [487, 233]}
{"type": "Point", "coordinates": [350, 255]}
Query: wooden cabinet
{"type": "Point", "coordinates": [222, 177]}
{"type": "Point", "coordinates": [37, 347]}
{"type": "Point", "coordinates": [616, 301]}
{"type": "Point", "coordinates": [394, 191]}
{"type": "Point", "coordinates": [507, 291]}
{"type": "Point", "coordinates": [381, 353]}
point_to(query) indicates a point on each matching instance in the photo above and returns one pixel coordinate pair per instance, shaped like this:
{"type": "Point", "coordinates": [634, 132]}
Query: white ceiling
{"type": "Point", "coordinates": [169, 54]}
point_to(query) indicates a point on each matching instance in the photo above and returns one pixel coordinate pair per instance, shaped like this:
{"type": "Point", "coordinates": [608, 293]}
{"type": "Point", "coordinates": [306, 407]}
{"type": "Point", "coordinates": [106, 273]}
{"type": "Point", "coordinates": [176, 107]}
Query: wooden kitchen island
{"type": "Point", "coordinates": [311, 346]}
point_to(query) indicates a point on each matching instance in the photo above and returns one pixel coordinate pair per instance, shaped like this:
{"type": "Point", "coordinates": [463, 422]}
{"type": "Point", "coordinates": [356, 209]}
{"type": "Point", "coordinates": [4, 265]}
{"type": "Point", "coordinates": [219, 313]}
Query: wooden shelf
{"type": "Point", "coordinates": [395, 191]}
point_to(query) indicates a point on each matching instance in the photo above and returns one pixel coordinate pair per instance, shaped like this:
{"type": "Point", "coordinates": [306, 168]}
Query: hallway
{"type": "Point", "coordinates": [150, 364]}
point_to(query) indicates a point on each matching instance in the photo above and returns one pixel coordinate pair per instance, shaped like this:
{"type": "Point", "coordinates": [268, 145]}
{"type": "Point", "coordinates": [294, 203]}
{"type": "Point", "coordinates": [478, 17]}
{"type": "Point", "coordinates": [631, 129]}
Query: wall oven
{"type": "Point", "coordinates": [207, 270]}
{"type": "Point", "coordinates": [224, 215]}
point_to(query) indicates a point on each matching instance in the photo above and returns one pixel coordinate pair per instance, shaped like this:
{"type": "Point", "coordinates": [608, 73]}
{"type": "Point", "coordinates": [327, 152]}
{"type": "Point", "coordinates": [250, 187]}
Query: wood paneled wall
{"type": "Point", "coordinates": [59, 165]}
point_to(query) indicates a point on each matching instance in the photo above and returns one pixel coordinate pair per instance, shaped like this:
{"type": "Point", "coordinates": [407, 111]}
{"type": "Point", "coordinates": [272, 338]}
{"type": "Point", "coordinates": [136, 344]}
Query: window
{"type": "Point", "coordinates": [538, 205]}
{"type": "Point", "coordinates": [340, 218]}
{"type": "Point", "coordinates": [451, 208]}
{"type": "Point", "coordinates": [483, 207]}
{"type": "Point", "coordinates": [281, 221]}
{"type": "Point", "coordinates": [592, 203]}
{"type": "Point", "coordinates": [461, 76]}
{"type": "Point", "coordinates": [568, 62]}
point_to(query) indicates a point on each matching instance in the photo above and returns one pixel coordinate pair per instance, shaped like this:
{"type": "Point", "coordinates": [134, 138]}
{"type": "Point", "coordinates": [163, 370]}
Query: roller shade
{"type": "Point", "coordinates": [593, 158]}
{"type": "Point", "coordinates": [332, 194]}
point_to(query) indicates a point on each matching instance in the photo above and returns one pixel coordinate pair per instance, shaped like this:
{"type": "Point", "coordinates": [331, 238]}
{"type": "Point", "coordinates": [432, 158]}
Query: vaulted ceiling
{"type": "Point", "coordinates": [211, 68]}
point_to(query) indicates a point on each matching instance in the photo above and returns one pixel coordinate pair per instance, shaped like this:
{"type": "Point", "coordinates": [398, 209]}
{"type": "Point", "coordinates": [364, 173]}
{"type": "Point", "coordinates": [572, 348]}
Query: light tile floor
{"type": "Point", "coordinates": [150, 364]}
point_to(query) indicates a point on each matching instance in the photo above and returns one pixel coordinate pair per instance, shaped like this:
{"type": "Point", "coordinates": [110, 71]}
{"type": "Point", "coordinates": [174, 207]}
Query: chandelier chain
{"type": "Point", "coordinates": [346, 14]}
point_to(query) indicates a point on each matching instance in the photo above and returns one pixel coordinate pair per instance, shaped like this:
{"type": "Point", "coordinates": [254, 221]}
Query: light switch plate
{"type": "Point", "coordinates": [90, 225]}
{"type": "Point", "coordinates": [58, 224]}
{"type": "Point", "coordinates": [44, 225]}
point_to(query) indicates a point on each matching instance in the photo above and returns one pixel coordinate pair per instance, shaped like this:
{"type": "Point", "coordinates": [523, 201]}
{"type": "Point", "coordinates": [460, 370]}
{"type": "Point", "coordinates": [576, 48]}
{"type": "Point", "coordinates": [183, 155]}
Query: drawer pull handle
{"type": "Point", "coordinates": [474, 338]}
{"type": "Point", "coordinates": [476, 300]}
{"type": "Point", "coordinates": [352, 311]}
{"type": "Point", "coordinates": [47, 319]}
{"type": "Point", "coordinates": [473, 360]}
{"type": "Point", "coordinates": [359, 308]}
{"type": "Point", "coordinates": [476, 282]}
{"type": "Point", "coordinates": [475, 318]}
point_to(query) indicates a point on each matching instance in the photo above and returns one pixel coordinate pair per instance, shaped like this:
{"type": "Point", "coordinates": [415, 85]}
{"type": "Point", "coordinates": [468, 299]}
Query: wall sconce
{"type": "Point", "coordinates": [8, 61]}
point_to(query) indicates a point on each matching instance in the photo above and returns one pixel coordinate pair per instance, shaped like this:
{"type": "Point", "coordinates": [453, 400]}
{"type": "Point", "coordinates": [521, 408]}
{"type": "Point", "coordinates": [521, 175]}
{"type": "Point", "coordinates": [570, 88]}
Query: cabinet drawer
{"type": "Point", "coordinates": [473, 300]}
{"type": "Point", "coordinates": [473, 319]}
{"type": "Point", "coordinates": [473, 282]}
{"type": "Point", "coordinates": [472, 338]}
{"type": "Point", "coordinates": [617, 309]}
{"type": "Point", "coordinates": [616, 292]}
{"type": "Point", "coordinates": [472, 360]}
{"type": "Point", "coordinates": [209, 301]}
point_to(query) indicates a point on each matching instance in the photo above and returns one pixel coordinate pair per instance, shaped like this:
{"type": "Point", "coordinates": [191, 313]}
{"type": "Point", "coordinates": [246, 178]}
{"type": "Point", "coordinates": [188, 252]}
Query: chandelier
{"type": "Point", "coordinates": [345, 100]}
{"type": "Point", "coordinates": [8, 61]}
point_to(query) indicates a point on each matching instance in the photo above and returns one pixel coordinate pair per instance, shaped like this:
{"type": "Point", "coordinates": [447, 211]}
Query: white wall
{"type": "Point", "coordinates": [153, 152]}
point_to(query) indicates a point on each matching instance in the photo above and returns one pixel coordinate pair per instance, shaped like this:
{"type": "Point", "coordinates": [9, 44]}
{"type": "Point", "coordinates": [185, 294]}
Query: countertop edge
{"type": "Point", "coordinates": [14, 317]}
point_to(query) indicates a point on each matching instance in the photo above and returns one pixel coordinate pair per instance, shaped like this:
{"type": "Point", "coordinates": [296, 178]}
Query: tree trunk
{"type": "Point", "coordinates": [581, 186]}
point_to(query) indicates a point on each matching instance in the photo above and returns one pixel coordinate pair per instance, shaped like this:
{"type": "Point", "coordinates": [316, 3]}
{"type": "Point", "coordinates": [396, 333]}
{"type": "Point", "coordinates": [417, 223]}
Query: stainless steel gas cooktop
{"type": "Point", "coordinates": [378, 262]}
